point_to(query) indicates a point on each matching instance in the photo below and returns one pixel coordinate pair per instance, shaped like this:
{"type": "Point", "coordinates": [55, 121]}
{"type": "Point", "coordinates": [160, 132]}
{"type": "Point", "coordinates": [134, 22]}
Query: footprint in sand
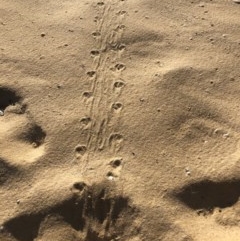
{"type": "Point", "coordinates": [91, 74]}
{"type": "Point", "coordinates": [8, 98]}
{"type": "Point", "coordinates": [21, 139]}
{"type": "Point", "coordinates": [89, 210]}
{"type": "Point", "coordinates": [96, 34]}
{"type": "Point", "coordinates": [118, 85]}
{"type": "Point", "coordinates": [80, 150]}
{"type": "Point", "coordinates": [119, 67]}
{"type": "Point", "coordinates": [116, 167]}
{"type": "Point", "coordinates": [85, 122]}
{"type": "Point", "coordinates": [95, 53]}
{"type": "Point", "coordinates": [115, 141]}
{"type": "Point", "coordinates": [117, 107]}
{"type": "Point", "coordinates": [87, 94]}
{"type": "Point", "coordinates": [100, 3]}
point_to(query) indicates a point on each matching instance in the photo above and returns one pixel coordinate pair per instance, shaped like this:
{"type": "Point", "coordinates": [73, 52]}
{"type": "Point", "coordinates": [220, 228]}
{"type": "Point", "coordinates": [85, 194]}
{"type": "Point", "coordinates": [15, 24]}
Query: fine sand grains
{"type": "Point", "coordinates": [119, 120]}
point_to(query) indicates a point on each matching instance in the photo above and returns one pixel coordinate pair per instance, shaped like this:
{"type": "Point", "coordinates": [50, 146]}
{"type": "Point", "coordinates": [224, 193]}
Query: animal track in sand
{"type": "Point", "coordinates": [96, 34]}
{"type": "Point", "coordinates": [95, 53]}
{"type": "Point", "coordinates": [117, 106]}
{"type": "Point", "coordinates": [115, 141]}
{"type": "Point", "coordinates": [115, 138]}
{"type": "Point", "coordinates": [80, 150]}
{"type": "Point", "coordinates": [116, 163]}
{"type": "Point", "coordinates": [120, 27]}
{"type": "Point", "coordinates": [115, 47]}
{"type": "Point", "coordinates": [108, 45]}
{"type": "Point", "coordinates": [122, 12]}
{"type": "Point", "coordinates": [119, 84]}
{"type": "Point", "coordinates": [85, 121]}
{"type": "Point", "coordinates": [121, 47]}
{"type": "Point", "coordinates": [100, 3]}
{"type": "Point", "coordinates": [111, 176]}
{"type": "Point", "coordinates": [91, 74]}
{"type": "Point", "coordinates": [87, 94]}
{"type": "Point", "coordinates": [119, 67]}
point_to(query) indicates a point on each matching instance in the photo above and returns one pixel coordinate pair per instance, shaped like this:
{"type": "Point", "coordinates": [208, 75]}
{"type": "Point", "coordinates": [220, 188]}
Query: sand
{"type": "Point", "coordinates": [119, 120]}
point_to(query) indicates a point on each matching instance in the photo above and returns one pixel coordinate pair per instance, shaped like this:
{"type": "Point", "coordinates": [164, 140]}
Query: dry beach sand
{"type": "Point", "coordinates": [119, 120]}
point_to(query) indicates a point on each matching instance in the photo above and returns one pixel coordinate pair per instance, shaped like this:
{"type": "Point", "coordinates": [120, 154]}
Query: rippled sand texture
{"type": "Point", "coordinates": [119, 120]}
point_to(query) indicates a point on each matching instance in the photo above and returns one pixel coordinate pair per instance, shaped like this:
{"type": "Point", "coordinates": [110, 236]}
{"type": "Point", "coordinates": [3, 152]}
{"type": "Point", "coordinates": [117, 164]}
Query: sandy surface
{"type": "Point", "coordinates": [119, 120]}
